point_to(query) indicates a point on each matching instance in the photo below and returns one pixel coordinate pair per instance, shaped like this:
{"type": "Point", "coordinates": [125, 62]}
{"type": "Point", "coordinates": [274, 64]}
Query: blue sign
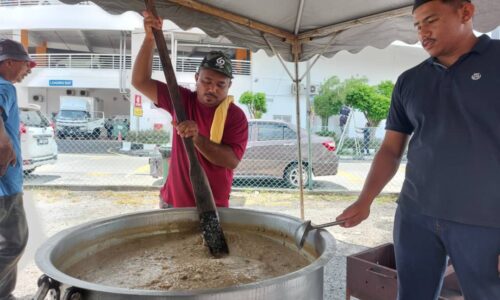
{"type": "Point", "coordinates": [59, 82]}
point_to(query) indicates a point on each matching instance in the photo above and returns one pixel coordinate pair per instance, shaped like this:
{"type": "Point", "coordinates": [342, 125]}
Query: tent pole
{"type": "Point", "coordinates": [296, 52]}
{"type": "Point", "coordinates": [300, 11]}
{"type": "Point", "coordinates": [279, 57]}
{"type": "Point", "coordinates": [308, 126]}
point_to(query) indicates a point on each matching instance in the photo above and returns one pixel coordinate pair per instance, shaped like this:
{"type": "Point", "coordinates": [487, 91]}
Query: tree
{"type": "Point", "coordinates": [256, 103]}
{"type": "Point", "coordinates": [385, 88]}
{"type": "Point", "coordinates": [332, 95]}
{"type": "Point", "coordinates": [328, 102]}
{"type": "Point", "coordinates": [372, 101]}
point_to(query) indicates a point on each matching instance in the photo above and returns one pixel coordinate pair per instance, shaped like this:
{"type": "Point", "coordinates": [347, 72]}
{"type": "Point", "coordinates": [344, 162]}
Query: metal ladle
{"type": "Point", "coordinates": [304, 228]}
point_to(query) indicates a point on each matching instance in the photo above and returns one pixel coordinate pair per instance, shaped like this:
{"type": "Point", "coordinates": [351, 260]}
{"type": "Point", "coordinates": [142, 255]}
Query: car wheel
{"type": "Point", "coordinates": [292, 175]}
{"type": "Point", "coordinates": [28, 172]}
{"type": "Point", "coordinates": [96, 134]}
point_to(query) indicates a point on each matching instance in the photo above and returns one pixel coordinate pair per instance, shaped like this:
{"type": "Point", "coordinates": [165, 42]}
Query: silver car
{"type": "Point", "coordinates": [272, 152]}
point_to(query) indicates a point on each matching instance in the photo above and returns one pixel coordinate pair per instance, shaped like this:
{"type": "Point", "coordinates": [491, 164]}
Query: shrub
{"type": "Point", "coordinates": [326, 133]}
{"type": "Point", "coordinates": [157, 137]}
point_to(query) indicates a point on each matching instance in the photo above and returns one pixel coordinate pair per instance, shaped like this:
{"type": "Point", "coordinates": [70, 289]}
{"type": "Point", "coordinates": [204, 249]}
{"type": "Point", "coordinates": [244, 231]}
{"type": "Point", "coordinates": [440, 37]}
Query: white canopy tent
{"type": "Point", "coordinates": [299, 30]}
{"type": "Point", "coordinates": [304, 27]}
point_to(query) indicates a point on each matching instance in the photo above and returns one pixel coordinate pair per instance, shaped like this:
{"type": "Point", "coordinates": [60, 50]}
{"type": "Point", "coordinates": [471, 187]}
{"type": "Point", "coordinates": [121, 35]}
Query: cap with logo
{"type": "Point", "coordinates": [218, 61]}
{"type": "Point", "coordinates": [417, 3]}
{"type": "Point", "coordinates": [10, 49]}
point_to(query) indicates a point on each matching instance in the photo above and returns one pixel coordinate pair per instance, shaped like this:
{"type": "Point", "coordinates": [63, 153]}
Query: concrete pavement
{"type": "Point", "coordinates": [114, 170]}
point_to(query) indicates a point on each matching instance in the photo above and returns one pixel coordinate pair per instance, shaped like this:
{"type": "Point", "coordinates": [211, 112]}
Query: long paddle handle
{"type": "Point", "coordinates": [329, 224]}
{"type": "Point", "coordinates": [201, 188]}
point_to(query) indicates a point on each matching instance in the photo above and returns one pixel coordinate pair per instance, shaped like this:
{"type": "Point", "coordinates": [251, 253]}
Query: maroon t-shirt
{"type": "Point", "coordinates": [177, 191]}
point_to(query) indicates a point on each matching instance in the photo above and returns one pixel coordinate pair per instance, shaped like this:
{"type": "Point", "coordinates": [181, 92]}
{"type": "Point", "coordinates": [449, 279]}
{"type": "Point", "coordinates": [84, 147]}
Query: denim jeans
{"type": "Point", "coordinates": [423, 244]}
{"type": "Point", "coordinates": [13, 239]}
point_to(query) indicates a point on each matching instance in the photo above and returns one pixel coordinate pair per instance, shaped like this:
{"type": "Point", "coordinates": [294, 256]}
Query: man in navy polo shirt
{"type": "Point", "coordinates": [448, 108]}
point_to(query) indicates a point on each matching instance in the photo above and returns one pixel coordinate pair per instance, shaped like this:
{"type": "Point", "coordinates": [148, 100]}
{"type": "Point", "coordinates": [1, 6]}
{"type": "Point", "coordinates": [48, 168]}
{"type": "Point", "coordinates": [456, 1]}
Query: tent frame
{"type": "Point", "coordinates": [296, 40]}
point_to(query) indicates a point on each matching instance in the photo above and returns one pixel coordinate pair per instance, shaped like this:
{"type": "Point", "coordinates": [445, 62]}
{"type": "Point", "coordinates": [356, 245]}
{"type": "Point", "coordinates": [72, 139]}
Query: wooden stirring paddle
{"type": "Point", "coordinates": [209, 218]}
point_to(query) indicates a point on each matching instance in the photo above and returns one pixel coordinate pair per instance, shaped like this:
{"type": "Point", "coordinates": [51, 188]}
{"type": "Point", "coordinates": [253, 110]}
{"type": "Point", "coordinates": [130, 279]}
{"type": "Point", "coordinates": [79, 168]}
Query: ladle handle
{"type": "Point", "coordinates": [330, 224]}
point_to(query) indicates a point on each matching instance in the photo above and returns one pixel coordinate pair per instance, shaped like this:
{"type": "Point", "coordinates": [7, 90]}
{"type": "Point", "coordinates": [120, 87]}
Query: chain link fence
{"type": "Point", "coordinates": [110, 154]}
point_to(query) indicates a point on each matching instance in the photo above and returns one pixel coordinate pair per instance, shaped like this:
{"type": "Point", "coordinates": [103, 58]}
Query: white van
{"type": "Point", "coordinates": [38, 146]}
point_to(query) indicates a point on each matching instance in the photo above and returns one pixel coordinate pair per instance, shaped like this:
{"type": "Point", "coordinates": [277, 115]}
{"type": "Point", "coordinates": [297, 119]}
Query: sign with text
{"type": "Point", "coordinates": [138, 112]}
{"type": "Point", "coordinates": [60, 82]}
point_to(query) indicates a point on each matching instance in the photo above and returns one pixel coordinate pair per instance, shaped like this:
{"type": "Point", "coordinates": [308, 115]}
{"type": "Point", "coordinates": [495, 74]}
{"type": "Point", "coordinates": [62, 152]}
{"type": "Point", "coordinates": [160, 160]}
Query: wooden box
{"type": "Point", "coordinates": [371, 275]}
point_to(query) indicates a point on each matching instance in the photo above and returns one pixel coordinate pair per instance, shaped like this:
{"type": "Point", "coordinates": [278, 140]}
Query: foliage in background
{"type": "Point", "coordinates": [157, 137]}
{"type": "Point", "coordinates": [256, 103]}
{"type": "Point", "coordinates": [327, 133]}
{"type": "Point", "coordinates": [331, 97]}
{"type": "Point", "coordinates": [372, 101]}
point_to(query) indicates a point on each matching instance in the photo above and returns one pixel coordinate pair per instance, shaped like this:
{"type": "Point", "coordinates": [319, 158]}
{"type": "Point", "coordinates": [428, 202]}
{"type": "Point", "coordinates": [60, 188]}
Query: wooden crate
{"type": "Point", "coordinates": [371, 275]}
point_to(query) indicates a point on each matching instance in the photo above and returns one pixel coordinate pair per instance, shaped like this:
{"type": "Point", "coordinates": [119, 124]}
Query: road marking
{"type": "Point", "coordinates": [142, 170]}
{"type": "Point", "coordinates": [351, 177]}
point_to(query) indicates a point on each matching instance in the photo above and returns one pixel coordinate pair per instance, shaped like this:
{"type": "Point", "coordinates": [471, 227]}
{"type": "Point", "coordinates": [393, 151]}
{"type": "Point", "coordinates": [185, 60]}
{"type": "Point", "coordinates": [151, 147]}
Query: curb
{"type": "Point", "coordinates": [89, 188]}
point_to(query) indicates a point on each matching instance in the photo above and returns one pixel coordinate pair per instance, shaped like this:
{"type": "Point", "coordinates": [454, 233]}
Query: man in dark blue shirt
{"type": "Point", "coordinates": [449, 205]}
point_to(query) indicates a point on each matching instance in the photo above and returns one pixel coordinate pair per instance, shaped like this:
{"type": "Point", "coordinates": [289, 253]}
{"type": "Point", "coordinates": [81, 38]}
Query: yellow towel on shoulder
{"type": "Point", "coordinates": [217, 129]}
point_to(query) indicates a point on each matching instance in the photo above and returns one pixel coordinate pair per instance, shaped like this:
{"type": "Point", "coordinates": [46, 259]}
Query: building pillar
{"type": "Point", "coordinates": [41, 48]}
{"type": "Point", "coordinates": [242, 54]}
{"type": "Point", "coordinates": [24, 38]}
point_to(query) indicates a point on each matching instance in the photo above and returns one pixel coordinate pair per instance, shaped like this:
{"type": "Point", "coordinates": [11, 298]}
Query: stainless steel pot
{"type": "Point", "coordinates": [74, 244]}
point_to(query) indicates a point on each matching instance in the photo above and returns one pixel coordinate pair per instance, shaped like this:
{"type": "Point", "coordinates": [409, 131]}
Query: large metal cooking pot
{"type": "Point", "coordinates": [71, 245]}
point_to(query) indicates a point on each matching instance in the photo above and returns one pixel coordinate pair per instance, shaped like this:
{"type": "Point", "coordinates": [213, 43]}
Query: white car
{"type": "Point", "coordinates": [38, 146]}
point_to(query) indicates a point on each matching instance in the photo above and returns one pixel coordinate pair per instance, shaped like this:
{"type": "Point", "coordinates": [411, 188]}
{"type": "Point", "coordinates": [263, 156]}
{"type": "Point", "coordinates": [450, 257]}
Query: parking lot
{"type": "Point", "coordinates": [115, 170]}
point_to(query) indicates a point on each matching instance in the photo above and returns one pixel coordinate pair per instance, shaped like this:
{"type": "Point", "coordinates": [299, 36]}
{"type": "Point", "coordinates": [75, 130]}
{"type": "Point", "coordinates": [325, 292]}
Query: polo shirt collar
{"type": "Point", "coordinates": [3, 81]}
{"type": "Point", "coordinates": [481, 45]}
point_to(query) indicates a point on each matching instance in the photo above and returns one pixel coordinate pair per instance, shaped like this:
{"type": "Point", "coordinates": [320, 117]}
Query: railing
{"type": "Point", "coordinates": [112, 61]}
{"type": "Point", "coordinates": [191, 64]}
{"type": "Point", "coordinates": [35, 2]}
{"type": "Point", "coordinates": [81, 61]}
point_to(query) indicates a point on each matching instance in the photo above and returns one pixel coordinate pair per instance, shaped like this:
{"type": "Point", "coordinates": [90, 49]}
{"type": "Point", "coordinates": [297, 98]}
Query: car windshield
{"type": "Point", "coordinates": [33, 118]}
{"type": "Point", "coordinates": [72, 114]}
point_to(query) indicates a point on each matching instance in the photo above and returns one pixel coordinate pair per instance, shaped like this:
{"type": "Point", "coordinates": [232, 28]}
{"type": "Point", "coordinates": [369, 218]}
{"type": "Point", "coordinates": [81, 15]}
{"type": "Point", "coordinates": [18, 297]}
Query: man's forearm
{"type": "Point", "coordinates": [4, 137]}
{"type": "Point", "coordinates": [383, 168]}
{"type": "Point", "coordinates": [218, 154]}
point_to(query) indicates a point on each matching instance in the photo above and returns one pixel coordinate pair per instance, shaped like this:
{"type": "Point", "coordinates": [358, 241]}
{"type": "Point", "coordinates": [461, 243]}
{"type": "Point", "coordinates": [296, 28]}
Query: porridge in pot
{"type": "Point", "coordinates": [180, 260]}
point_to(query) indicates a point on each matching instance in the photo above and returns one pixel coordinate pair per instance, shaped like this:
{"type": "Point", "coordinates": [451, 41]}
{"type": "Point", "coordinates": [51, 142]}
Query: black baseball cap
{"type": "Point", "coordinates": [10, 49]}
{"type": "Point", "coordinates": [417, 3]}
{"type": "Point", "coordinates": [218, 61]}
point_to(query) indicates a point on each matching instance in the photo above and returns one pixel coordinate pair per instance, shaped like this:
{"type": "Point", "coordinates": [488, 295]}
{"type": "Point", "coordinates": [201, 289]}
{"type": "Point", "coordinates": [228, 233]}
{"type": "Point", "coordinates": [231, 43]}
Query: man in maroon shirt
{"type": "Point", "coordinates": [204, 110]}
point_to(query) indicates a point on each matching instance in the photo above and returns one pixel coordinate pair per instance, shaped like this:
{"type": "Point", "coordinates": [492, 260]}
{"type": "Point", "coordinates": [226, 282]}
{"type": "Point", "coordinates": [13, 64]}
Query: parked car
{"type": "Point", "coordinates": [272, 152]}
{"type": "Point", "coordinates": [38, 146]}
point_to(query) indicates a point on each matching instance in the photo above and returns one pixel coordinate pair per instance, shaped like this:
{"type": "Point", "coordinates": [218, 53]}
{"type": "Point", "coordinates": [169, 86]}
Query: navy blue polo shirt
{"type": "Point", "coordinates": [453, 115]}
